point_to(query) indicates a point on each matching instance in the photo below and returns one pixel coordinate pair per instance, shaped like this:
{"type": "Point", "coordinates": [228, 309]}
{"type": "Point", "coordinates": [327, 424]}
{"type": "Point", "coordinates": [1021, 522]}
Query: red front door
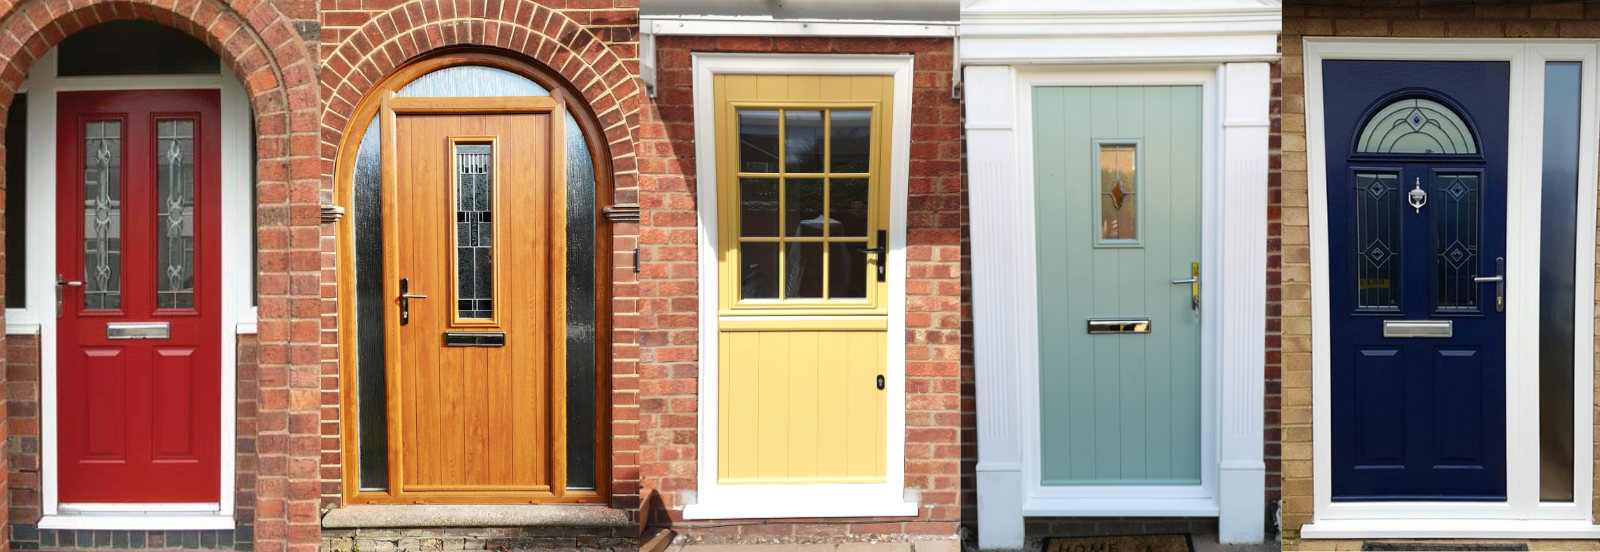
{"type": "Point", "coordinates": [137, 252]}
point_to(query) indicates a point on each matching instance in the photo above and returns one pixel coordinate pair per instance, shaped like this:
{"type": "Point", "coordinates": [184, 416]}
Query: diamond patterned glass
{"type": "Point", "coordinates": [102, 215]}
{"type": "Point", "coordinates": [1456, 220]}
{"type": "Point", "coordinates": [175, 262]}
{"type": "Point", "coordinates": [474, 231]}
{"type": "Point", "coordinates": [1378, 237]}
{"type": "Point", "coordinates": [1118, 209]}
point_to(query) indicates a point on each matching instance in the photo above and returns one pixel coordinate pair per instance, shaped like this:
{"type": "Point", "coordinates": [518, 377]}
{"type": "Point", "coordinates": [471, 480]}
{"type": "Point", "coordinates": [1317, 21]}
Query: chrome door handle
{"type": "Point", "coordinates": [1499, 281]}
{"type": "Point", "coordinates": [1194, 288]}
{"type": "Point", "coordinates": [60, 283]}
{"type": "Point", "coordinates": [405, 300]}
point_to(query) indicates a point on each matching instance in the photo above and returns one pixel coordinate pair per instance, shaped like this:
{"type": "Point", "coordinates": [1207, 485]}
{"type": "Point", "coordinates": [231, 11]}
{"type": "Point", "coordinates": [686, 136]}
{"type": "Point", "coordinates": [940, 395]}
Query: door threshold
{"type": "Point", "coordinates": [1120, 507]}
{"type": "Point", "coordinates": [1449, 528]}
{"type": "Point", "coordinates": [133, 521]}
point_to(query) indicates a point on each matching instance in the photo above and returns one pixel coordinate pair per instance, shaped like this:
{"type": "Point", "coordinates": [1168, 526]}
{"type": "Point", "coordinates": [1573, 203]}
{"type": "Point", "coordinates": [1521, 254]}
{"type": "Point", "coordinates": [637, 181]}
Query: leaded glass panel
{"type": "Point", "coordinates": [474, 231]}
{"type": "Point", "coordinates": [175, 263]}
{"type": "Point", "coordinates": [1119, 210]}
{"type": "Point", "coordinates": [102, 215]}
{"type": "Point", "coordinates": [1378, 240]}
{"type": "Point", "coordinates": [1456, 220]}
{"type": "Point", "coordinates": [1416, 125]}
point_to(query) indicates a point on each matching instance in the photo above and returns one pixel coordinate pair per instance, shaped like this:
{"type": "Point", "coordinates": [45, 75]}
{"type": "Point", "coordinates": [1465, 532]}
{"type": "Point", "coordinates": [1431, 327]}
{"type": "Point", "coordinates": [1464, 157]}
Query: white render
{"type": "Point", "coordinates": [1007, 48]}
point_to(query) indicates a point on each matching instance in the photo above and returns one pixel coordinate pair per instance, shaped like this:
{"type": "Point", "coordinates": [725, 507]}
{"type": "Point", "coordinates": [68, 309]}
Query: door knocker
{"type": "Point", "coordinates": [1418, 197]}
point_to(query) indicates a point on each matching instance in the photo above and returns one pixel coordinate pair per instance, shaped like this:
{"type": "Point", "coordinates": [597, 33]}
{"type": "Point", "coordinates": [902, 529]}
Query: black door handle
{"type": "Point", "coordinates": [883, 237]}
{"type": "Point", "coordinates": [405, 301]}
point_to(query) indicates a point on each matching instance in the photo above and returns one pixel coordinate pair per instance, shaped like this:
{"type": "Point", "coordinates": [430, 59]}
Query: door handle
{"type": "Point", "coordinates": [879, 251]}
{"type": "Point", "coordinates": [1194, 288]}
{"type": "Point", "coordinates": [405, 300]}
{"type": "Point", "coordinates": [1499, 281]}
{"type": "Point", "coordinates": [60, 283]}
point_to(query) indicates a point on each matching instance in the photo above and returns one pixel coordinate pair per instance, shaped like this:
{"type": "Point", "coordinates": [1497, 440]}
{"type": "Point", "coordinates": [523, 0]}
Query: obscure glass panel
{"type": "Point", "coordinates": [1456, 220]}
{"type": "Point", "coordinates": [758, 270]}
{"type": "Point", "coordinates": [161, 50]}
{"type": "Point", "coordinates": [802, 141]}
{"type": "Point", "coordinates": [371, 387]}
{"type": "Point", "coordinates": [102, 215]}
{"type": "Point", "coordinates": [16, 202]}
{"type": "Point", "coordinates": [847, 270]}
{"type": "Point", "coordinates": [474, 231]}
{"type": "Point", "coordinates": [1118, 186]}
{"type": "Point", "coordinates": [758, 141]}
{"type": "Point", "coordinates": [1558, 249]}
{"type": "Point", "coordinates": [175, 214]}
{"type": "Point", "coordinates": [1416, 125]}
{"type": "Point", "coordinates": [802, 204]}
{"type": "Point", "coordinates": [1378, 240]}
{"type": "Point", "coordinates": [850, 144]}
{"type": "Point", "coordinates": [758, 207]}
{"type": "Point", "coordinates": [847, 206]}
{"type": "Point", "coordinates": [581, 311]}
{"type": "Point", "coordinates": [805, 270]}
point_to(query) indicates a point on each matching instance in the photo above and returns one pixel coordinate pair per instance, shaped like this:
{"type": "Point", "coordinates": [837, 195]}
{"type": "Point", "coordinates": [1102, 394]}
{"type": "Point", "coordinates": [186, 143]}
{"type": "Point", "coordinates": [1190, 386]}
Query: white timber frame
{"type": "Point", "coordinates": [1522, 515]}
{"type": "Point", "coordinates": [38, 317]}
{"type": "Point", "coordinates": [717, 501]}
{"type": "Point", "coordinates": [1010, 48]}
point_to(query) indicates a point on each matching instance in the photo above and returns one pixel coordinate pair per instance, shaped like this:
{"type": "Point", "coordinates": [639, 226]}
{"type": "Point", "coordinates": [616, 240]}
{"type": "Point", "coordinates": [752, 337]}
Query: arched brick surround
{"type": "Point", "coordinates": [278, 375]}
{"type": "Point", "coordinates": [593, 48]}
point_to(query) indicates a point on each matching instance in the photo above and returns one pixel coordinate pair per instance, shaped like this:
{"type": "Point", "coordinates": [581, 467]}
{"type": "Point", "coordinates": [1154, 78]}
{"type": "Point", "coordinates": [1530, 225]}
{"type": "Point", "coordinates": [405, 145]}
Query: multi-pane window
{"type": "Point", "coordinates": [805, 203]}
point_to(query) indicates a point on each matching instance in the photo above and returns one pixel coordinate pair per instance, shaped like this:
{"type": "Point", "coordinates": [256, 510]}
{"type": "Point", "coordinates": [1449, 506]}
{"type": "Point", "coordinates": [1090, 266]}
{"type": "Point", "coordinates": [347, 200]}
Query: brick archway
{"type": "Point", "coordinates": [278, 389]}
{"type": "Point", "coordinates": [390, 39]}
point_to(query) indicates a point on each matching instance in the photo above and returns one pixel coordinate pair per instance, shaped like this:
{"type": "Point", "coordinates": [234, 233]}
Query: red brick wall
{"type": "Point", "coordinates": [263, 42]}
{"type": "Point", "coordinates": [593, 44]}
{"type": "Point", "coordinates": [668, 368]}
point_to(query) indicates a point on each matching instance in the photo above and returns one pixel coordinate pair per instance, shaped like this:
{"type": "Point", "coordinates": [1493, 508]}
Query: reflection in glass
{"type": "Point", "coordinates": [474, 231]}
{"type": "Point", "coordinates": [175, 214]}
{"type": "Point", "coordinates": [802, 141]}
{"type": "Point", "coordinates": [102, 215]}
{"type": "Point", "coordinates": [1377, 237]}
{"type": "Point", "coordinates": [850, 144]}
{"type": "Point", "coordinates": [847, 271]}
{"type": "Point", "coordinates": [758, 141]}
{"type": "Point", "coordinates": [802, 204]}
{"type": "Point", "coordinates": [847, 206]}
{"type": "Point", "coordinates": [1558, 250]}
{"type": "Point", "coordinates": [1118, 186]}
{"type": "Point", "coordinates": [758, 207]}
{"type": "Point", "coordinates": [805, 271]}
{"type": "Point", "coordinates": [758, 273]}
{"type": "Point", "coordinates": [1455, 219]}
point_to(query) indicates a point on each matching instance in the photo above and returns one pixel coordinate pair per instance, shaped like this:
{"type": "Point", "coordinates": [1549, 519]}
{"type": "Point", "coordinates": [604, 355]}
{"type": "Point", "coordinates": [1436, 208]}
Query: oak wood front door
{"type": "Point", "coordinates": [475, 242]}
{"type": "Point", "coordinates": [138, 252]}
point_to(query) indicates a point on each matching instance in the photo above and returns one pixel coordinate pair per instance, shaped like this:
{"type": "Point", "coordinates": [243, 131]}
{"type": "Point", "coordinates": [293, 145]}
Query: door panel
{"type": "Point", "coordinates": [1118, 409]}
{"type": "Point", "coordinates": [803, 188]}
{"type": "Point", "coordinates": [476, 233]}
{"type": "Point", "coordinates": [138, 216]}
{"type": "Point", "coordinates": [1416, 189]}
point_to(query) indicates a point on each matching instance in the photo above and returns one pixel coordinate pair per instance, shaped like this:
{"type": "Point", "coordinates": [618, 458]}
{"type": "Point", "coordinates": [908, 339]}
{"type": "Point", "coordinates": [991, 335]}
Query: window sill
{"type": "Point", "coordinates": [474, 515]}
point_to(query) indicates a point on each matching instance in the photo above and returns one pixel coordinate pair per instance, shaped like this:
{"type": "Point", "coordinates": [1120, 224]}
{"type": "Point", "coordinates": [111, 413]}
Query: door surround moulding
{"type": "Point", "coordinates": [237, 177]}
{"type": "Point", "coordinates": [1446, 519]}
{"type": "Point", "coordinates": [1234, 155]}
{"type": "Point", "coordinates": [717, 501]}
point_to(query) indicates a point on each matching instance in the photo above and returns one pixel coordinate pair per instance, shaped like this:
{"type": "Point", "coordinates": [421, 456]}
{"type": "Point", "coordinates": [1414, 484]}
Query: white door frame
{"type": "Point", "coordinates": [38, 318]}
{"type": "Point", "coordinates": [717, 501]}
{"type": "Point", "coordinates": [1522, 515]}
{"type": "Point", "coordinates": [1233, 290]}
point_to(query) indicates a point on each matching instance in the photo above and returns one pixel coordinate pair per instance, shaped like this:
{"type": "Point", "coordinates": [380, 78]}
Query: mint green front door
{"type": "Point", "coordinates": [1117, 174]}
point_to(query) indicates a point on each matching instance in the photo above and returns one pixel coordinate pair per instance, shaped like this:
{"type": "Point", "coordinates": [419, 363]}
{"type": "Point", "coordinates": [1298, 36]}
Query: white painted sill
{"type": "Point", "coordinates": [782, 509]}
{"type": "Point", "coordinates": [135, 522]}
{"type": "Point", "coordinates": [1450, 528]}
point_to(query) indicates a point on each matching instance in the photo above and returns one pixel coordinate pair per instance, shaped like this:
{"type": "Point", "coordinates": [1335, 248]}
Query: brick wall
{"type": "Point", "coordinates": [936, 399]}
{"type": "Point", "coordinates": [266, 43]}
{"type": "Point", "coordinates": [1303, 18]}
{"type": "Point", "coordinates": [593, 45]}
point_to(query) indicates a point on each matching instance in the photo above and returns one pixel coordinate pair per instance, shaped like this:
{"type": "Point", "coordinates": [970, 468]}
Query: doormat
{"type": "Point", "coordinates": [1130, 543]}
{"type": "Point", "coordinates": [1441, 547]}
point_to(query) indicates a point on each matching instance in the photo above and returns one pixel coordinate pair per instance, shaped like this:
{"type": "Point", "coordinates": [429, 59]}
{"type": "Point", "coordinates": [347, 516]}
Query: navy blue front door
{"type": "Point", "coordinates": [1416, 155]}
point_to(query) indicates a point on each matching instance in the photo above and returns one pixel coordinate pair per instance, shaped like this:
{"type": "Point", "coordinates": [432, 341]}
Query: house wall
{"type": "Point", "coordinates": [939, 419]}
{"type": "Point", "coordinates": [1293, 321]}
{"type": "Point", "coordinates": [268, 44]}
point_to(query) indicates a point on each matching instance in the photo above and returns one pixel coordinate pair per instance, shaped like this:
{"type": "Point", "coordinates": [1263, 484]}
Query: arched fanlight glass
{"type": "Point", "coordinates": [1416, 125]}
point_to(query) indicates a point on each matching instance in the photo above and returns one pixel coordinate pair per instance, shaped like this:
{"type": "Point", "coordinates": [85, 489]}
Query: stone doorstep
{"type": "Point", "coordinates": [390, 516]}
{"type": "Point", "coordinates": [939, 545]}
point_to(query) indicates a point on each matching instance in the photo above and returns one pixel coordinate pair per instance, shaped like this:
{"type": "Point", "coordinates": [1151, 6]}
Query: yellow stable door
{"type": "Point", "coordinates": [803, 190]}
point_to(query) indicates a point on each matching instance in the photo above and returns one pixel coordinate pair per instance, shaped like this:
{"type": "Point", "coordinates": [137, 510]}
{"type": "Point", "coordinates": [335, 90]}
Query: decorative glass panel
{"type": "Point", "coordinates": [175, 213]}
{"type": "Point", "coordinates": [102, 215]}
{"type": "Point", "coordinates": [758, 207]}
{"type": "Point", "coordinates": [1455, 235]}
{"type": "Point", "coordinates": [474, 231]}
{"type": "Point", "coordinates": [1415, 125]}
{"type": "Point", "coordinates": [851, 147]}
{"type": "Point", "coordinates": [1118, 208]}
{"type": "Point", "coordinates": [1378, 240]}
{"type": "Point", "coordinates": [802, 141]}
{"type": "Point", "coordinates": [758, 141]}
